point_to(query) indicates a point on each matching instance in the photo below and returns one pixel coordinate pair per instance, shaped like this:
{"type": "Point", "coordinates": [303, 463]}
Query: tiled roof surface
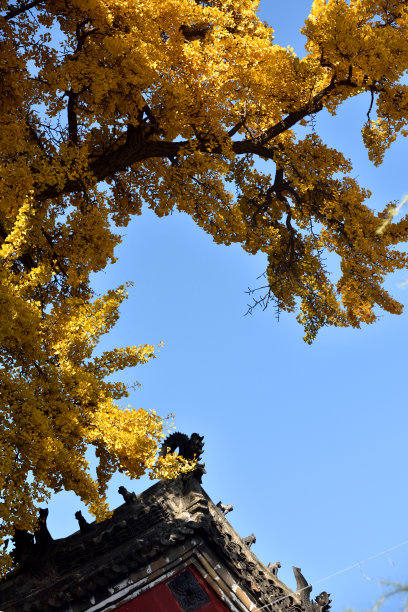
{"type": "Point", "coordinates": [84, 566]}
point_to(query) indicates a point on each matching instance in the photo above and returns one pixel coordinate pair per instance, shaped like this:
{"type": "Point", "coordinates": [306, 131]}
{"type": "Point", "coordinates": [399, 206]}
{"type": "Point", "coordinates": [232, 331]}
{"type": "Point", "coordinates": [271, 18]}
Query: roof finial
{"type": "Point", "coordinates": [189, 448]}
{"type": "Point", "coordinates": [322, 601]}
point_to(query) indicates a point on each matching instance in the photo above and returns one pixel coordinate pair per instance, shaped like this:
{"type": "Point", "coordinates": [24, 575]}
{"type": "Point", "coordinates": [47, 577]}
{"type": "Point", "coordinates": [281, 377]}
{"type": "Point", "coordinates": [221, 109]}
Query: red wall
{"type": "Point", "coordinates": [160, 599]}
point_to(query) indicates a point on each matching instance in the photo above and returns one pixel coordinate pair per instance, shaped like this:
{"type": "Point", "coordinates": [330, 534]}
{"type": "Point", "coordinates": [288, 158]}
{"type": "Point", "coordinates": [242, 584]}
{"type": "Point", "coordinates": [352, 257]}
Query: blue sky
{"type": "Point", "coordinates": [307, 442]}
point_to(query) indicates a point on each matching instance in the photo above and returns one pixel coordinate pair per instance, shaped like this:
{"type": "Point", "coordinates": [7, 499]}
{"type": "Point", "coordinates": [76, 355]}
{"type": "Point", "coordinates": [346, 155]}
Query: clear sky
{"type": "Point", "coordinates": [307, 442]}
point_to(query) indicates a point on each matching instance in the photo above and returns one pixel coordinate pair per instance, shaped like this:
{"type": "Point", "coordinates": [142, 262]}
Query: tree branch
{"type": "Point", "coordinates": [54, 255]}
{"type": "Point", "coordinates": [36, 138]}
{"type": "Point", "coordinates": [72, 118]}
{"type": "Point", "coordinates": [371, 104]}
{"type": "Point", "coordinates": [137, 149]}
{"type": "Point", "coordinates": [15, 12]}
{"type": "Point", "coordinates": [25, 258]}
{"type": "Point", "coordinates": [314, 106]}
{"type": "Point", "coordinates": [83, 30]}
{"type": "Point", "coordinates": [240, 123]}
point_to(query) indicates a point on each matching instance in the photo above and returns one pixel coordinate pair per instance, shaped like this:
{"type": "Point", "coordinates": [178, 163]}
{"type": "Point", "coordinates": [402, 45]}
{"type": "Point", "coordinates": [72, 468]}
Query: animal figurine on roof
{"type": "Point", "coordinates": [23, 546]}
{"type": "Point", "coordinates": [323, 600]}
{"type": "Point", "coordinates": [84, 526]}
{"type": "Point", "coordinates": [128, 496]}
{"type": "Point", "coordinates": [42, 536]}
{"type": "Point", "coordinates": [249, 540]}
{"type": "Point", "coordinates": [274, 567]}
{"type": "Point", "coordinates": [225, 508]}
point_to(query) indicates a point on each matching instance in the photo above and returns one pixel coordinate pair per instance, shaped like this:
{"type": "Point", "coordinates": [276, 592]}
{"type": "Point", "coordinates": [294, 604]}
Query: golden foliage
{"type": "Point", "coordinates": [106, 105]}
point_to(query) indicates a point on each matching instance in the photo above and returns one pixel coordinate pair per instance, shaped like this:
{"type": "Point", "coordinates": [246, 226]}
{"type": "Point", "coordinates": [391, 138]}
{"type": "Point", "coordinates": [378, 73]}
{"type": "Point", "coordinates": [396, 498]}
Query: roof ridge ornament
{"type": "Point", "coordinates": [42, 536]}
{"type": "Point", "coordinates": [23, 542]}
{"type": "Point", "coordinates": [28, 547]}
{"type": "Point", "coordinates": [189, 448]}
{"type": "Point", "coordinates": [303, 588]}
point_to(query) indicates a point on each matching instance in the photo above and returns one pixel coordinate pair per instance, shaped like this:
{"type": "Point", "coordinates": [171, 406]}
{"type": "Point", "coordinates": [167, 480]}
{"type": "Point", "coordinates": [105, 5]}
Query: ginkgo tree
{"type": "Point", "coordinates": [107, 106]}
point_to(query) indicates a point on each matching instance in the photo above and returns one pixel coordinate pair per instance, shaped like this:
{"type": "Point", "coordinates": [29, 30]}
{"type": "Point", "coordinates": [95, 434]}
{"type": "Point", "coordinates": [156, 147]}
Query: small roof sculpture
{"type": "Point", "coordinates": [171, 544]}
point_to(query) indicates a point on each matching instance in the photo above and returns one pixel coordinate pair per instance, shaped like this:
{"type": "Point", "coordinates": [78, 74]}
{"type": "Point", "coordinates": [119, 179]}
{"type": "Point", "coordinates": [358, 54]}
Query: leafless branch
{"type": "Point", "coordinates": [371, 104]}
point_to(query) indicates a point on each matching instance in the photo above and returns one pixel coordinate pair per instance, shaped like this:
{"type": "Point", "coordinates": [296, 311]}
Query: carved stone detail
{"type": "Point", "coordinates": [167, 518]}
{"type": "Point", "coordinates": [189, 447]}
{"type": "Point", "coordinates": [274, 567]}
{"type": "Point", "coordinates": [188, 592]}
{"type": "Point", "coordinates": [28, 547]}
{"type": "Point", "coordinates": [224, 508]}
{"type": "Point", "coordinates": [84, 526]}
{"type": "Point", "coordinates": [23, 545]}
{"type": "Point", "coordinates": [42, 536]}
{"type": "Point", "coordinates": [249, 540]}
{"type": "Point", "coordinates": [129, 497]}
{"type": "Point", "coordinates": [322, 601]}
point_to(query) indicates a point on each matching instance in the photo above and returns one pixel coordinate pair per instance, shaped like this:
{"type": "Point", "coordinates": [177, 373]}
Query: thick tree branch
{"type": "Point", "coordinates": [72, 118]}
{"type": "Point", "coordinates": [240, 123]}
{"type": "Point", "coordinates": [83, 30]}
{"type": "Point", "coordinates": [314, 106]}
{"type": "Point", "coordinates": [136, 148]}
{"type": "Point", "coordinates": [18, 10]}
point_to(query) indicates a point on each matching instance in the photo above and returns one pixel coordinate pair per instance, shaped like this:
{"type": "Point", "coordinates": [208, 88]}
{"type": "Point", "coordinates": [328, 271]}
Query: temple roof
{"type": "Point", "coordinates": [172, 523]}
